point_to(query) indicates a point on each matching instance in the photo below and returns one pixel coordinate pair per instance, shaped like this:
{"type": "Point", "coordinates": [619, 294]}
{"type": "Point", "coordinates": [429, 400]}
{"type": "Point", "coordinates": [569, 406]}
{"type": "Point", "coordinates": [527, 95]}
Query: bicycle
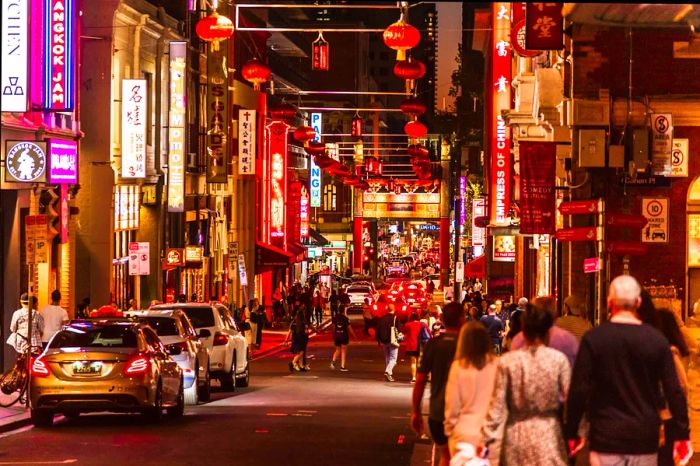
{"type": "Point", "coordinates": [15, 382]}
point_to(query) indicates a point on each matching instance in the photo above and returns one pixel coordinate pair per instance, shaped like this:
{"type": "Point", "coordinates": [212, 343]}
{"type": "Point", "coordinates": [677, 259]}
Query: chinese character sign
{"type": "Point", "coordinates": [134, 128]}
{"type": "Point", "coordinates": [277, 187]}
{"type": "Point", "coordinates": [304, 213]}
{"type": "Point", "coordinates": [544, 26]}
{"type": "Point", "coordinates": [59, 48]}
{"type": "Point", "coordinates": [246, 142]}
{"type": "Point", "coordinates": [14, 56]}
{"type": "Point", "coordinates": [217, 115]}
{"type": "Point", "coordinates": [176, 129]}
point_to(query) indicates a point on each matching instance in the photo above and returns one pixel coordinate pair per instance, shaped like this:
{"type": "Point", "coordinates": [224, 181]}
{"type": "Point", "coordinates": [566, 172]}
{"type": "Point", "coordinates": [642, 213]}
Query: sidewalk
{"type": "Point", "coordinates": [13, 417]}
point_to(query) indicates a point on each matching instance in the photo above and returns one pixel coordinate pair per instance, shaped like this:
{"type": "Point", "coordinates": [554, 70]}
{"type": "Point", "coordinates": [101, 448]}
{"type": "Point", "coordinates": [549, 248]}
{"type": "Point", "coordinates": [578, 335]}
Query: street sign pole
{"type": "Point", "coordinates": [30, 286]}
{"type": "Point", "coordinates": [602, 275]}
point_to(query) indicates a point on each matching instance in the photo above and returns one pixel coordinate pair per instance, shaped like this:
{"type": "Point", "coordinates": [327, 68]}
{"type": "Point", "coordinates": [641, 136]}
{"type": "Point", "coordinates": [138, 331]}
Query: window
{"type": "Point", "coordinates": [329, 197]}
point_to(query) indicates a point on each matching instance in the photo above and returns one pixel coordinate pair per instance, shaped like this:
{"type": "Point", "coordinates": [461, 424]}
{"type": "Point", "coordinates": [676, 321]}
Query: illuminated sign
{"type": "Point", "coordinates": [404, 205]}
{"type": "Point", "coordinates": [246, 142]}
{"type": "Point", "coordinates": [14, 54]}
{"type": "Point", "coordinates": [176, 129]}
{"type": "Point", "coordinates": [478, 234]}
{"type": "Point", "coordinates": [463, 194]}
{"type": "Point", "coordinates": [315, 170]}
{"type": "Point", "coordinates": [133, 128]}
{"type": "Point", "coordinates": [58, 54]}
{"type": "Point", "coordinates": [25, 161]}
{"type": "Point", "coordinates": [499, 91]}
{"type": "Point", "coordinates": [127, 199]}
{"type": "Point", "coordinates": [277, 191]}
{"type": "Point", "coordinates": [175, 257]}
{"type": "Point", "coordinates": [504, 248]}
{"type": "Point", "coordinates": [194, 253]}
{"type": "Point", "coordinates": [217, 115]}
{"type": "Point", "coordinates": [304, 213]}
{"type": "Point", "coordinates": [63, 161]}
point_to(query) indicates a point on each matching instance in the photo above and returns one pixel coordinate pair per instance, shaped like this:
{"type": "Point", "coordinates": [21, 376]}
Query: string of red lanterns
{"type": "Point", "coordinates": [401, 36]}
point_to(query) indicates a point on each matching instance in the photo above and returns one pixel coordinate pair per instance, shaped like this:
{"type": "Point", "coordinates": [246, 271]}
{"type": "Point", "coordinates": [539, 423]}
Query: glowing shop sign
{"type": "Point", "coordinates": [63, 161]}
{"type": "Point", "coordinates": [176, 129]}
{"type": "Point", "coordinates": [277, 192]}
{"type": "Point", "coordinates": [304, 213]}
{"type": "Point", "coordinates": [14, 55]}
{"type": "Point", "coordinates": [58, 54]}
{"type": "Point", "coordinates": [133, 128]}
{"type": "Point", "coordinates": [246, 142]}
{"type": "Point", "coordinates": [315, 170]}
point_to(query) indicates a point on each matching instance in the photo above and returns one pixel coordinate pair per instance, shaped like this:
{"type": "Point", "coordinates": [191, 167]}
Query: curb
{"type": "Point", "coordinates": [15, 424]}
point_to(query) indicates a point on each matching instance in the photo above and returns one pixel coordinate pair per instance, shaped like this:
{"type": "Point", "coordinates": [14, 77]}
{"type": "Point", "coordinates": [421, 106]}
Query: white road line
{"type": "Point", "coordinates": [68, 461]}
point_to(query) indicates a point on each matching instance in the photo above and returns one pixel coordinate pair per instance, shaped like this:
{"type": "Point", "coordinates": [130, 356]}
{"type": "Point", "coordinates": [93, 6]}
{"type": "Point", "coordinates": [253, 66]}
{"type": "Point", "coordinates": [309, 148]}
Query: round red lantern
{"type": "Point", "coordinates": [283, 111]}
{"type": "Point", "coordinates": [315, 148]}
{"type": "Point", "coordinates": [409, 69]}
{"type": "Point", "coordinates": [256, 72]}
{"type": "Point", "coordinates": [401, 36]}
{"type": "Point", "coordinates": [415, 129]}
{"type": "Point", "coordinates": [323, 161]}
{"type": "Point", "coordinates": [413, 107]}
{"type": "Point", "coordinates": [304, 133]}
{"type": "Point", "coordinates": [418, 150]}
{"type": "Point", "coordinates": [214, 28]}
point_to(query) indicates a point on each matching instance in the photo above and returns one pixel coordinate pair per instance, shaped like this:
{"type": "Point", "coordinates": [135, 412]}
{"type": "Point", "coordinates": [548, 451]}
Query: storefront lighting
{"type": "Point", "coordinates": [445, 149]}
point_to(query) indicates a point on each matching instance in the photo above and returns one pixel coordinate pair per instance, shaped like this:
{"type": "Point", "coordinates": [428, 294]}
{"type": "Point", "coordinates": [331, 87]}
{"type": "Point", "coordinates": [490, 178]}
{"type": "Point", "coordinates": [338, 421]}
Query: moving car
{"type": "Point", "coordinates": [180, 338]}
{"type": "Point", "coordinates": [105, 365]}
{"type": "Point", "coordinates": [228, 349]}
{"type": "Point", "coordinates": [414, 294]}
{"type": "Point", "coordinates": [358, 295]}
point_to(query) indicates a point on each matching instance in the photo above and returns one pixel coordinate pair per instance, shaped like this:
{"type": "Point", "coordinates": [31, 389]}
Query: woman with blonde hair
{"type": "Point", "coordinates": [469, 386]}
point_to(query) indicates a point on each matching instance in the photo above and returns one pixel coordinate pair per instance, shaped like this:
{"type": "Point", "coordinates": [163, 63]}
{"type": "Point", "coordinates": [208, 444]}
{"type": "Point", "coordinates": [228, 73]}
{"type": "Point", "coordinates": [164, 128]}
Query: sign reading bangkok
{"type": "Point", "coordinates": [25, 161]}
{"type": "Point", "coordinates": [59, 41]}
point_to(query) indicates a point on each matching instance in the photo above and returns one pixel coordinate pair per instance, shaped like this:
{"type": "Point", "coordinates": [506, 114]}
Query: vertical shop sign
{"type": "Point", "coordinates": [14, 54]}
{"type": "Point", "coordinates": [661, 143]}
{"type": "Point", "coordinates": [304, 213]}
{"type": "Point", "coordinates": [133, 128]}
{"type": "Point", "coordinates": [679, 158]}
{"type": "Point", "coordinates": [29, 232]}
{"type": "Point", "coordinates": [246, 141]}
{"type": "Point", "coordinates": [59, 50]}
{"type": "Point", "coordinates": [217, 115]}
{"type": "Point", "coordinates": [176, 128]}
{"type": "Point", "coordinates": [538, 168]}
{"type": "Point", "coordinates": [277, 166]}
{"type": "Point", "coordinates": [64, 214]}
{"type": "Point", "coordinates": [478, 234]}
{"type": "Point", "coordinates": [463, 204]}
{"type": "Point", "coordinates": [315, 170]}
{"type": "Point", "coordinates": [500, 91]}
{"type": "Point", "coordinates": [63, 161]}
{"type": "Point", "coordinates": [242, 274]}
{"type": "Point", "coordinates": [544, 28]}
{"type": "Point", "coordinates": [139, 258]}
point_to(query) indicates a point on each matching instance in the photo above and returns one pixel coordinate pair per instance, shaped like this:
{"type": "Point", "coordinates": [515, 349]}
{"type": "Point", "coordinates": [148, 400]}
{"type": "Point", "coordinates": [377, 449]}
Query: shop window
{"type": "Point", "coordinates": [330, 192]}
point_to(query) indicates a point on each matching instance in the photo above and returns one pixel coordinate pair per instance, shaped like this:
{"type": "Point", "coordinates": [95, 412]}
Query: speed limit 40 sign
{"type": "Point", "coordinates": [655, 210]}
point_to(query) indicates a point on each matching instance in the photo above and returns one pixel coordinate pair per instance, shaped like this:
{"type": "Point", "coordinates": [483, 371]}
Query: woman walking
{"type": "Point", "coordinates": [527, 399]}
{"type": "Point", "coordinates": [415, 334]}
{"type": "Point", "coordinates": [341, 337]}
{"type": "Point", "coordinates": [300, 338]}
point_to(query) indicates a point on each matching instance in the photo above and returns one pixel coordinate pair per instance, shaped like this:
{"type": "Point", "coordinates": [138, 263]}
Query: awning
{"type": "Point", "coordinates": [476, 268]}
{"type": "Point", "coordinates": [269, 257]}
{"type": "Point", "coordinates": [298, 250]}
{"type": "Point", "coordinates": [317, 239]}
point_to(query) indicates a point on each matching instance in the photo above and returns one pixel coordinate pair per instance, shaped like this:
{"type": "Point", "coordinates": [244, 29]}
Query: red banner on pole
{"type": "Point", "coordinates": [544, 26]}
{"type": "Point", "coordinates": [580, 206]}
{"type": "Point", "coordinates": [538, 171]}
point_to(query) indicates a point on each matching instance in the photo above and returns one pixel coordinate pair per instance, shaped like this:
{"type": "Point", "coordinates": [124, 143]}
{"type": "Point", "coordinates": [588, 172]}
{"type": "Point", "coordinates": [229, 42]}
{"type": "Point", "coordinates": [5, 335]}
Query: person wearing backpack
{"type": "Point", "coordinates": [341, 337]}
{"type": "Point", "coordinates": [385, 327]}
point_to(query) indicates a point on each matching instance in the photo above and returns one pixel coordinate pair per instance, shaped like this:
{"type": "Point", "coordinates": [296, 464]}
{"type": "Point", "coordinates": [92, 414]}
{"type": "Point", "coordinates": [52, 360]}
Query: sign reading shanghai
{"type": "Point", "coordinates": [25, 161]}
{"type": "Point", "coordinates": [176, 129]}
{"type": "Point", "coordinates": [14, 56]}
{"type": "Point", "coordinates": [246, 141]}
{"type": "Point", "coordinates": [133, 128]}
{"type": "Point", "coordinates": [538, 167]}
{"type": "Point", "coordinates": [277, 191]}
{"type": "Point", "coordinates": [59, 39]}
{"type": "Point", "coordinates": [63, 161]}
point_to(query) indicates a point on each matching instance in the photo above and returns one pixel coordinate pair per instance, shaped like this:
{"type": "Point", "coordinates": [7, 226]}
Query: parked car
{"type": "Point", "coordinates": [180, 338]}
{"type": "Point", "coordinates": [105, 365]}
{"type": "Point", "coordinates": [228, 350]}
{"type": "Point", "coordinates": [360, 296]}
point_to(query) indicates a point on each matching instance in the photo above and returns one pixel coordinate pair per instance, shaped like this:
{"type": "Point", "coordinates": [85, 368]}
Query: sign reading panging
{"type": "Point", "coordinates": [538, 171]}
{"type": "Point", "coordinates": [499, 91]}
{"type": "Point", "coordinates": [246, 142]}
{"type": "Point", "coordinates": [176, 129]}
{"type": "Point", "coordinates": [133, 128]}
{"type": "Point", "coordinates": [277, 192]}
{"type": "Point", "coordinates": [304, 213]}
{"type": "Point", "coordinates": [58, 54]}
{"type": "Point", "coordinates": [14, 54]}
{"type": "Point", "coordinates": [315, 170]}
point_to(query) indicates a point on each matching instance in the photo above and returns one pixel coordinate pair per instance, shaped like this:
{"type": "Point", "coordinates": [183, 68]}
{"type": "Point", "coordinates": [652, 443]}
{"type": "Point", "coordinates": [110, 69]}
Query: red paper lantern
{"type": "Point", "coordinates": [415, 129]}
{"type": "Point", "coordinates": [418, 150]}
{"type": "Point", "coordinates": [409, 69]}
{"type": "Point", "coordinates": [315, 148]}
{"type": "Point", "coordinates": [214, 28]}
{"type": "Point", "coordinates": [413, 107]}
{"type": "Point", "coordinates": [283, 111]}
{"type": "Point", "coordinates": [319, 53]}
{"type": "Point", "coordinates": [363, 185]}
{"type": "Point", "coordinates": [256, 72]}
{"type": "Point", "coordinates": [323, 161]}
{"type": "Point", "coordinates": [356, 129]}
{"type": "Point", "coordinates": [401, 36]}
{"type": "Point", "coordinates": [304, 133]}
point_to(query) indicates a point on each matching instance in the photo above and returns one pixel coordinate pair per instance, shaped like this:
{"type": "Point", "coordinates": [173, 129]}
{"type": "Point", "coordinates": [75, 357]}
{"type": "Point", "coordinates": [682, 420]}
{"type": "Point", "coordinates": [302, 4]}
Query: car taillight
{"type": "Point", "coordinates": [137, 365]}
{"type": "Point", "coordinates": [39, 368]}
{"type": "Point", "coordinates": [220, 339]}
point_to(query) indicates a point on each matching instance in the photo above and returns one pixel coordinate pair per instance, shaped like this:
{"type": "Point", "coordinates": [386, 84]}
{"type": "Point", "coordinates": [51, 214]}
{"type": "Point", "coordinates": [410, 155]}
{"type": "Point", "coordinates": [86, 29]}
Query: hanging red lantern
{"type": "Point", "coordinates": [401, 36]}
{"type": "Point", "coordinates": [390, 184]}
{"type": "Point", "coordinates": [410, 70]}
{"type": "Point", "coordinates": [214, 28]}
{"type": "Point", "coordinates": [370, 165]}
{"type": "Point", "coordinates": [413, 107]}
{"type": "Point", "coordinates": [319, 53]}
{"type": "Point", "coordinates": [256, 72]}
{"type": "Point", "coordinates": [315, 148]}
{"type": "Point", "coordinates": [356, 129]}
{"type": "Point", "coordinates": [304, 133]}
{"type": "Point", "coordinates": [323, 161]}
{"type": "Point", "coordinates": [418, 150]}
{"type": "Point", "coordinates": [283, 111]}
{"type": "Point", "coordinates": [415, 129]}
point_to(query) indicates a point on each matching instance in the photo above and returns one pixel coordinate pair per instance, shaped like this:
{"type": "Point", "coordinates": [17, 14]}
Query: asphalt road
{"type": "Point", "coordinates": [320, 417]}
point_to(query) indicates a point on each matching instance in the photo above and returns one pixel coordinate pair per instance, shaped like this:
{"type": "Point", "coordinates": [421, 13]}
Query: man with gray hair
{"type": "Point", "coordinates": [623, 374]}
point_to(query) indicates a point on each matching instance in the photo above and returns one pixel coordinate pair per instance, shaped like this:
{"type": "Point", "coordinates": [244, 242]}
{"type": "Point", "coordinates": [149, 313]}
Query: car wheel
{"type": "Point", "coordinates": [228, 381]}
{"type": "Point", "coordinates": [179, 409]}
{"type": "Point", "coordinates": [155, 412]}
{"type": "Point", "coordinates": [192, 395]}
{"type": "Point", "coordinates": [205, 388]}
{"type": "Point", "coordinates": [243, 379]}
{"type": "Point", "coordinates": [42, 417]}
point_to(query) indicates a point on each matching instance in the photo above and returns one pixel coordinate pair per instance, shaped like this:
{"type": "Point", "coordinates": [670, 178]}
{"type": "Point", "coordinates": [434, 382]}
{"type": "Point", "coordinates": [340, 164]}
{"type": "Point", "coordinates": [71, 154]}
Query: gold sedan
{"type": "Point", "coordinates": [105, 365]}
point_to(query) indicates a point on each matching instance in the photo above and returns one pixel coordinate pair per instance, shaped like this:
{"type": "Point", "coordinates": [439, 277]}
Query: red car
{"type": "Point", "coordinates": [414, 295]}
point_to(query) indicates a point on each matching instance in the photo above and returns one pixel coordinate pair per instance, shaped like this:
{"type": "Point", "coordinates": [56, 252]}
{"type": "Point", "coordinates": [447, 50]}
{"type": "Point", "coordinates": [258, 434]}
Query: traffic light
{"type": "Point", "coordinates": [49, 205]}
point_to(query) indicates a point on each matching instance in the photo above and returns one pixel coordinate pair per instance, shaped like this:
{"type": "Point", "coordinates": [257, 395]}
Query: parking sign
{"type": "Point", "coordinates": [655, 210]}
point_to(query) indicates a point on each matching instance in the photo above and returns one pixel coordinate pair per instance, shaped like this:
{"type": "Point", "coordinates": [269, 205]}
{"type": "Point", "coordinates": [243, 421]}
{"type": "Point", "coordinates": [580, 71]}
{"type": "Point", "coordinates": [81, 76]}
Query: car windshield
{"type": "Point", "coordinates": [164, 326]}
{"type": "Point", "coordinates": [108, 336]}
{"type": "Point", "coordinates": [200, 316]}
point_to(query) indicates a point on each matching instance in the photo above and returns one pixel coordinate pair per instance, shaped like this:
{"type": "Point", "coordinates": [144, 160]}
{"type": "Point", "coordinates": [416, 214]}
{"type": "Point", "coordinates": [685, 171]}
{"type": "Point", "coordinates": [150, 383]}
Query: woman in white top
{"type": "Point", "coordinates": [469, 386]}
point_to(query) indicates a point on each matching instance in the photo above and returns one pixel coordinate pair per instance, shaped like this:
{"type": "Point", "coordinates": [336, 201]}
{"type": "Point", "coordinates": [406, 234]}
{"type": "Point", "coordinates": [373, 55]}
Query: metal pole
{"type": "Point", "coordinates": [601, 295]}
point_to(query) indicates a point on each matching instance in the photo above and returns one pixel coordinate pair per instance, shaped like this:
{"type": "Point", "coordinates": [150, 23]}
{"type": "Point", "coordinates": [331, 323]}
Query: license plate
{"type": "Point", "coordinates": [87, 368]}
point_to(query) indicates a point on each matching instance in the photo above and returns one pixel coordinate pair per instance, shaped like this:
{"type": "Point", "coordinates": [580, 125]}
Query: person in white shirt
{"type": "Point", "coordinates": [55, 317]}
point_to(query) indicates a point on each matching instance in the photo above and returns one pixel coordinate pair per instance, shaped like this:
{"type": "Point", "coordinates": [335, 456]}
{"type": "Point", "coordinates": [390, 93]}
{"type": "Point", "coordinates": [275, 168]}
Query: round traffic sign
{"type": "Point", "coordinates": [661, 124]}
{"type": "Point", "coordinates": [655, 208]}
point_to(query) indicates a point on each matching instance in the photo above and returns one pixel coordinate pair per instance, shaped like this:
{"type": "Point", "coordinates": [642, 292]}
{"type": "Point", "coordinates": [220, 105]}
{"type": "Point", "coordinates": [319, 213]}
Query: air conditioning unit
{"type": "Point", "coordinates": [581, 112]}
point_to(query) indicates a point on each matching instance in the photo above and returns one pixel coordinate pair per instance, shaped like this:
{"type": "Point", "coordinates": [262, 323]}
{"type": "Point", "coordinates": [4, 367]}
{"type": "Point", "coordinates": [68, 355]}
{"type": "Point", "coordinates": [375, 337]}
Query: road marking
{"type": "Point", "coordinates": [68, 461]}
{"type": "Point", "coordinates": [302, 415]}
{"type": "Point", "coordinates": [304, 377]}
{"type": "Point", "coordinates": [306, 411]}
{"type": "Point", "coordinates": [277, 414]}
{"type": "Point", "coordinates": [262, 431]}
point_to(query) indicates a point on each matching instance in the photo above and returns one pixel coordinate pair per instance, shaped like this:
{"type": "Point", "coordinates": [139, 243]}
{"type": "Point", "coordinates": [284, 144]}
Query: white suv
{"type": "Point", "coordinates": [218, 332]}
{"type": "Point", "coordinates": [179, 337]}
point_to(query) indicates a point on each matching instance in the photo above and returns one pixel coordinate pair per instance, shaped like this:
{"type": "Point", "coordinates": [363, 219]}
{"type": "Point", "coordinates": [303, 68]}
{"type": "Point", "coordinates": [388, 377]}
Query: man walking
{"type": "Point", "coordinates": [55, 317]}
{"type": "Point", "coordinates": [623, 375]}
{"type": "Point", "coordinates": [20, 325]}
{"type": "Point", "coordinates": [495, 326]}
{"type": "Point", "coordinates": [571, 319]}
{"type": "Point", "coordinates": [383, 334]}
{"type": "Point", "coordinates": [435, 362]}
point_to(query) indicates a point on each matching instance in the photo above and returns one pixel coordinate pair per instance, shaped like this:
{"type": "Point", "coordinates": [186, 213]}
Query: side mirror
{"type": "Point", "coordinates": [174, 350]}
{"type": "Point", "coordinates": [204, 333]}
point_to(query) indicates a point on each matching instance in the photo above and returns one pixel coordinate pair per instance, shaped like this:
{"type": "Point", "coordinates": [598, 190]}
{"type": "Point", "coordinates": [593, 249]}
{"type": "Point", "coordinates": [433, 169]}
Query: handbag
{"type": "Point", "coordinates": [396, 336]}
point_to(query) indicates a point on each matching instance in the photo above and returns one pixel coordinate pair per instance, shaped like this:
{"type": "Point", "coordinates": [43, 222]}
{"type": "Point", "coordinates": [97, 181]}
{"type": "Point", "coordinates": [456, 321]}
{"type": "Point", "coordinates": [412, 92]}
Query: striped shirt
{"type": "Point", "coordinates": [574, 324]}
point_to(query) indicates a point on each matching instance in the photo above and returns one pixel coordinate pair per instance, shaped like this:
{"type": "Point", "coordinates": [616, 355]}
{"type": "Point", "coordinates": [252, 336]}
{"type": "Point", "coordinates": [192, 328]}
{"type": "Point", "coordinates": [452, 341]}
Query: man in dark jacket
{"type": "Point", "coordinates": [624, 372]}
{"type": "Point", "coordinates": [383, 334]}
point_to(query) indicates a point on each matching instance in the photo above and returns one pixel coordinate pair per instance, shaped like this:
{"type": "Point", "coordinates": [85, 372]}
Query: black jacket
{"type": "Point", "coordinates": [383, 332]}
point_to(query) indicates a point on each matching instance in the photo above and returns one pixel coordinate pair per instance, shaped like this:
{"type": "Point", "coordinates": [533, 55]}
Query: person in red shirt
{"type": "Point", "coordinates": [415, 335]}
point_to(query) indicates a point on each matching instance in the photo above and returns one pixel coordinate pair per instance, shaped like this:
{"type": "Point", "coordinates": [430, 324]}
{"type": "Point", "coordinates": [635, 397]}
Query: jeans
{"type": "Point", "coordinates": [613, 459]}
{"type": "Point", "coordinates": [391, 354]}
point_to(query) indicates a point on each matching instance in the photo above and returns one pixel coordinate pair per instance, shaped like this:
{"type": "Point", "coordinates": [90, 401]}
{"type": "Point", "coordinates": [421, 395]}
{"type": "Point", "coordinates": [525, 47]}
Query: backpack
{"type": "Point", "coordinates": [341, 327]}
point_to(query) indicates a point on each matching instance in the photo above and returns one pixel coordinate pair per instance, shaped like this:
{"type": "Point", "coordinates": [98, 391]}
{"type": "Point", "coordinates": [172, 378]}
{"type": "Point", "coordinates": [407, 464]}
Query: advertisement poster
{"type": "Point", "coordinates": [504, 248]}
{"type": "Point", "coordinates": [538, 166]}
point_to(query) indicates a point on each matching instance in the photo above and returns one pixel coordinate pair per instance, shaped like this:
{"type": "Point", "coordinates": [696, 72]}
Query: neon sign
{"type": "Point", "coordinates": [14, 56]}
{"type": "Point", "coordinates": [133, 128]}
{"type": "Point", "coordinates": [315, 170]}
{"type": "Point", "coordinates": [304, 213]}
{"type": "Point", "coordinates": [58, 54]}
{"type": "Point", "coordinates": [176, 129]}
{"type": "Point", "coordinates": [277, 193]}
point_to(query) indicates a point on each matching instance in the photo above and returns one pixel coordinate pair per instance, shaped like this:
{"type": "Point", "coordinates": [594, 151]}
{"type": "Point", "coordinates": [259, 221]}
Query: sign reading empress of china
{"type": "Point", "coordinates": [14, 56]}
{"type": "Point", "coordinates": [133, 128]}
{"type": "Point", "coordinates": [25, 161]}
{"type": "Point", "coordinates": [246, 141]}
{"type": "Point", "coordinates": [59, 40]}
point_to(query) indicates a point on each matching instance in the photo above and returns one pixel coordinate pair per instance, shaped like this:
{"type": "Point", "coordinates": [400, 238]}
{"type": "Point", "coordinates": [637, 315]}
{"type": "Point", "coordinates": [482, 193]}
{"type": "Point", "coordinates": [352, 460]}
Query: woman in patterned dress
{"type": "Point", "coordinates": [527, 399]}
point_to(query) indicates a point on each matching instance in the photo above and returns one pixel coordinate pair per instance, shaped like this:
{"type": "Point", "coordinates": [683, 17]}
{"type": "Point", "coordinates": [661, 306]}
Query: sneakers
{"type": "Point", "coordinates": [305, 368]}
{"type": "Point", "coordinates": [332, 364]}
{"type": "Point", "coordinates": [343, 369]}
{"type": "Point", "coordinates": [413, 380]}
{"type": "Point", "coordinates": [388, 377]}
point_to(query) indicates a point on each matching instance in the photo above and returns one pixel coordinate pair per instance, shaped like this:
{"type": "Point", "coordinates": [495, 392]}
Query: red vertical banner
{"type": "Point", "coordinates": [304, 212]}
{"type": "Point", "coordinates": [499, 133]}
{"type": "Point", "coordinates": [544, 26]}
{"type": "Point", "coordinates": [538, 167]}
{"type": "Point", "coordinates": [276, 133]}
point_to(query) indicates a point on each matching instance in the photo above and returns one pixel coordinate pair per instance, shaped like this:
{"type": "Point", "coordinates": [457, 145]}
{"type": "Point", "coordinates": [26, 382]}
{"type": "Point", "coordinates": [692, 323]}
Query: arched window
{"type": "Point", "coordinates": [329, 197]}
